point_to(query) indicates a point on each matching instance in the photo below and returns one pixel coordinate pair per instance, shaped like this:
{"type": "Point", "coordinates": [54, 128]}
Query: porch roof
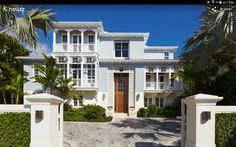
{"type": "Point", "coordinates": [139, 61]}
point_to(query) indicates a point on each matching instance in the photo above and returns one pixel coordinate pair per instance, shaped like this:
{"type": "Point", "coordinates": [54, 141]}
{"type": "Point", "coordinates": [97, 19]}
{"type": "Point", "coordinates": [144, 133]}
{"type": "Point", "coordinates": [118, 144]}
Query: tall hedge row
{"type": "Point", "coordinates": [14, 129]}
{"type": "Point", "coordinates": [225, 129]}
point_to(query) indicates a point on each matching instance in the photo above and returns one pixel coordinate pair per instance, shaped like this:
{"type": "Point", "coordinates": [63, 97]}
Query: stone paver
{"type": "Point", "coordinates": [123, 132]}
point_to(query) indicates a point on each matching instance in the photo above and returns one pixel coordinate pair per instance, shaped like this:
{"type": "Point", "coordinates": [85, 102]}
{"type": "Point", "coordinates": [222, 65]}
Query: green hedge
{"type": "Point", "coordinates": [89, 113]}
{"type": "Point", "coordinates": [14, 129]}
{"type": "Point", "coordinates": [154, 111]}
{"type": "Point", "coordinates": [225, 129]}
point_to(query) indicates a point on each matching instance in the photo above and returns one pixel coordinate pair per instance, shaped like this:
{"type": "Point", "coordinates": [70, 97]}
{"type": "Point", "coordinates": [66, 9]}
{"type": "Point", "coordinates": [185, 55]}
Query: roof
{"type": "Point", "coordinates": [30, 58]}
{"type": "Point", "coordinates": [137, 61]}
{"type": "Point", "coordinates": [161, 48]}
{"type": "Point", "coordinates": [76, 24]}
{"type": "Point", "coordinates": [126, 34]}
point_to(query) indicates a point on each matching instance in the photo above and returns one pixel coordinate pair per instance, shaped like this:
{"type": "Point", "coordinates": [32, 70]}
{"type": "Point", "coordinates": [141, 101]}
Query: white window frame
{"type": "Point", "coordinates": [168, 55]}
{"type": "Point", "coordinates": [62, 38]}
{"type": "Point", "coordinates": [159, 102]}
{"type": "Point", "coordinates": [149, 101]}
{"type": "Point", "coordinates": [93, 38]}
{"type": "Point", "coordinates": [121, 41]}
{"type": "Point", "coordinates": [77, 35]}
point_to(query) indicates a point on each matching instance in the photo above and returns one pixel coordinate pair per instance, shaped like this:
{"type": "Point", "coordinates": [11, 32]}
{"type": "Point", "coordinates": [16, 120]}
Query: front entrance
{"type": "Point", "coordinates": [121, 92]}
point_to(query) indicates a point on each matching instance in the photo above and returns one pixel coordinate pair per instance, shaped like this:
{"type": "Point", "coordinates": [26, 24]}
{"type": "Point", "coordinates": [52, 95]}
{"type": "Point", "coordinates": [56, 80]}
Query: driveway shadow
{"type": "Point", "coordinates": [151, 144]}
{"type": "Point", "coordinates": [169, 125]}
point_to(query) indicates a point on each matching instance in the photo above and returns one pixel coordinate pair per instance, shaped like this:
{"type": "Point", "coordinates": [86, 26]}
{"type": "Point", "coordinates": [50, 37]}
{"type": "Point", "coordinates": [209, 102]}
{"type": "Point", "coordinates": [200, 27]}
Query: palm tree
{"type": "Point", "coordinates": [216, 37]}
{"type": "Point", "coordinates": [27, 27]}
{"type": "Point", "coordinates": [48, 74]}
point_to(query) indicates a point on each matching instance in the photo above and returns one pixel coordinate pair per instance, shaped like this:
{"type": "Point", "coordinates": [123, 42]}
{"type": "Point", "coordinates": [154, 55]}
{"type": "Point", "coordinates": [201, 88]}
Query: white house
{"type": "Point", "coordinates": [115, 70]}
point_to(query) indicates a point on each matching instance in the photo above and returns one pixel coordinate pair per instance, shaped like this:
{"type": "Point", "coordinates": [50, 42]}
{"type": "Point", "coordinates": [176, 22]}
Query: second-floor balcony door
{"type": "Point", "coordinates": [76, 43]}
{"type": "Point", "coordinates": [91, 42]}
{"type": "Point", "coordinates": [161, 81]}
{"type": "Point", "coordinates": [64, 42]}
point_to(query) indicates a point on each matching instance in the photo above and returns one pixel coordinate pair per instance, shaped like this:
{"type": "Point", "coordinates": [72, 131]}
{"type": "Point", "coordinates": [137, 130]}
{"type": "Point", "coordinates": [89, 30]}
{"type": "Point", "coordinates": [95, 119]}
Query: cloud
{"type": "Point", "coordinates": [42, 48]}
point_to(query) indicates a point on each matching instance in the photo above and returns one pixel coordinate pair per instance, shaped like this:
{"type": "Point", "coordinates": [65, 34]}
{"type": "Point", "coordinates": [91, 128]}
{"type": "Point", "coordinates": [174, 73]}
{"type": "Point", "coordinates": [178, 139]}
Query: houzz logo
{"type": "Point", "coordinates": [8, 9]}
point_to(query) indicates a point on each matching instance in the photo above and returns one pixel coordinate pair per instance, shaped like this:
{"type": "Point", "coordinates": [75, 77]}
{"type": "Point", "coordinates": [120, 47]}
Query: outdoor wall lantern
{"type": "Point", "coordinates": [109, 108]}
{"type": "Point", "coordinates": [137, 97]}
{"type": "Point", "coordinates": [121, 69]}
{"type": "Point", "coordinates": [206, 115]}
{"type": "Point", "coordinates": [38, 115]}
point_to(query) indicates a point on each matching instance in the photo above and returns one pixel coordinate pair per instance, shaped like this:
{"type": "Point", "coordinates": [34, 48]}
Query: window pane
{"type": "Point", "coordinates": [64, 38]}
{"type": "Point", "coordinates": [117, 46]}
{"type": "Point", "coordinates": [125, 46]}
{"type": "Point", "coordinates": [148, 77]}
{"type": "Point", "coordinates": [118, 54]}
{"type": "Point", "coordinates": [91, 39]}
{"type": "Point", "coordinates": [145, 102]}
{"type": "Point", "coordinates": [125, 53]}
{"type": "Point", "coordinates": [150, 101]}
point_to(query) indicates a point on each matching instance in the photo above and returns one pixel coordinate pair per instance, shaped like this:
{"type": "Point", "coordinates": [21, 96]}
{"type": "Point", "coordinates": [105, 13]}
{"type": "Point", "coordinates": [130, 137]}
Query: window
{"type": "Point", "coordinates": [90, 68]}
{"type": "Point", "coordinates": [61, 59]}
{"type": "Point", "coordinates": [36, 72]}
{"type": "Point", "coordinates": [147, 102]}
{"type": "Point", "coordinates": [166, 55]}
{"type": "Point", "coordinates": [89, 59]}
{"type": "Point", "coordinates": [159, 102]}
{"type": "Point", "coordinates": [63, 70]}
{"type": "Point", "coordinates": [121, 49]}
{"type": "Point", "coordinates": [161, 77]}
{"type": "Point", "coordinates": [150, 69]}
{"type": "Point", "coordinates": [91, 39]}
{"type": "Point", "coordinates": [75, 102]}
{"type": "Point", "coordinates": [64, 38]}
{"type": "Point", "coordinates": [74, 60]}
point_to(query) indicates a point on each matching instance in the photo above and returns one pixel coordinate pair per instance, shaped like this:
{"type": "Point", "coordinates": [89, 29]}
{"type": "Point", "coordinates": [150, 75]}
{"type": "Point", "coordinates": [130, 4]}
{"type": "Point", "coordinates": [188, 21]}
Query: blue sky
{"type": "Point", "coordinates": [167, 24]}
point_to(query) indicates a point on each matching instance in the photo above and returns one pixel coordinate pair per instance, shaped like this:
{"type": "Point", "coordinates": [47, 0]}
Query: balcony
{"type": "Point", "coordinates": [63, 47]}
{"type": "Point", "coordinates": [84, 84]}
{"type": "Point", "coordinates": [163, 86]}
{"type": "Point", "coordinates": [151, 85]}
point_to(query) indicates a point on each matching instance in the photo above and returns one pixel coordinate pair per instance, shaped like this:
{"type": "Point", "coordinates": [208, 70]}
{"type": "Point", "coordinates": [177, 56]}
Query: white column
{"type": "Point", "coordinates": [169, 77]}
{"type": "Point", "coordinates": [68, 67]}
{"type": "Point", "coordinates": [68, 40]}
{"type": "Point", "coordinates": [96, 72]}
{"type": "Point", "coordinates": [200, 131]}
{"type": "Point", "coordinates": [183, 121]}
{"type": "Point", "coordinates": [82, 40]}
{"type": "Point", "coordinates": [54, 40]}
{"type": "Point", "coordinates": [45, 115]}
{"type": "Point", "coordinates": [82, 70]}
{"type": "Point", "coordinates": [157, 76]}
{"type": "Point", "coordinates": [96, 40]}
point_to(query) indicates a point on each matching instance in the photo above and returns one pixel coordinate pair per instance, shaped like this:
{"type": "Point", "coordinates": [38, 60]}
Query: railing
{"type": "Point", "coordinates": [76, 47]}
{"type": "Point", "coordinates": [162, 85]}
{"type": "Point", "coordinates": [77, 82]}
{"type": "Point", "coordinates": [151, 85]}
{"type": "Point", "coordinates": [89, 47]}
{"type": "Point", "coordinates": [63, 47]}
{"type": "Point", "coordinates": [89, 83]}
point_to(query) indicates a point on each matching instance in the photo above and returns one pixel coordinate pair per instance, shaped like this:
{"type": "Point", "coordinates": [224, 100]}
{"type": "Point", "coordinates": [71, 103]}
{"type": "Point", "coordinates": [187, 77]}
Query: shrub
{"type": "Point", "coordinates": [15, 129]}
{"type": "Point", "coordinates": [152, 110]}
{"type": "Point", "coordinates": [90, 113]}
{"type": "Point", "coordinates": [225, 129]}
{"type": "Point", "coordinates": [67, 107]}
{"type": "Point", "coordinates": [142, 112]}
{"type": "Point", "coordinates": [93, 111]}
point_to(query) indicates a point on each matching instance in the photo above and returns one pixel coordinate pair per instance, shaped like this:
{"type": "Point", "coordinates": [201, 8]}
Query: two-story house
{"type": "Point", "coordinates": [115, 70]}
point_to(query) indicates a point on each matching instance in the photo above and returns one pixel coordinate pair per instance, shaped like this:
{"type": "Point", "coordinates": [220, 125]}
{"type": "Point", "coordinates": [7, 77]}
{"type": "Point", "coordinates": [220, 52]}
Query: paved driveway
{"type": "Point", "coordinates": [123, 132]}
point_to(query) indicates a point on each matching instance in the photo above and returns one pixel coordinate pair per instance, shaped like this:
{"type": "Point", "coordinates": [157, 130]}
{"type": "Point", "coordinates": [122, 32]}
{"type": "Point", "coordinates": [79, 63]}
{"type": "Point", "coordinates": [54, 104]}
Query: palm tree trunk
{"type": "Point", "coordinates": [12, 101]}
{"type": "Point", "coordinates": [17, 98]}
{"type": "Point", "coordinates": [4, 97]}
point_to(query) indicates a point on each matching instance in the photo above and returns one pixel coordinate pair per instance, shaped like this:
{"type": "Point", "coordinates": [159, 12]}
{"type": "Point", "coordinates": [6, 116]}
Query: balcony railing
{"type": "Point", "coordinates": [63, 47]}
{"type": "Point", "coordinates": [162, 86]}
{"type": "Point", "coordinates": [77, 82]}
{"type": "Point", "coordinates": [151, 85]}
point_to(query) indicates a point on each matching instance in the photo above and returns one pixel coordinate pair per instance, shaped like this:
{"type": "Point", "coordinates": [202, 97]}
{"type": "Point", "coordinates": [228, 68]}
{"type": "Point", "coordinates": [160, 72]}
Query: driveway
{"type": "Point", "coordinates": [123, 132]}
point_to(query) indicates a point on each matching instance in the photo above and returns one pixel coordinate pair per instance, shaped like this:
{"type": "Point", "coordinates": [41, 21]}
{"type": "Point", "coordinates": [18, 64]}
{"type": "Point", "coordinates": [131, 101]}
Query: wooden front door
{"type": "Point", "coordinates": [121, 92]}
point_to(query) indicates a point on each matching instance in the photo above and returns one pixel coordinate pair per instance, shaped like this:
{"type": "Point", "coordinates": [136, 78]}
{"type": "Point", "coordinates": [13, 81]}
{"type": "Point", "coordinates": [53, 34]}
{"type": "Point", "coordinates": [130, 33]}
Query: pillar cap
{"type": "Point", "coordinates": [203, 98]}
{"type": "Point", "coordinates": [43, 97]}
